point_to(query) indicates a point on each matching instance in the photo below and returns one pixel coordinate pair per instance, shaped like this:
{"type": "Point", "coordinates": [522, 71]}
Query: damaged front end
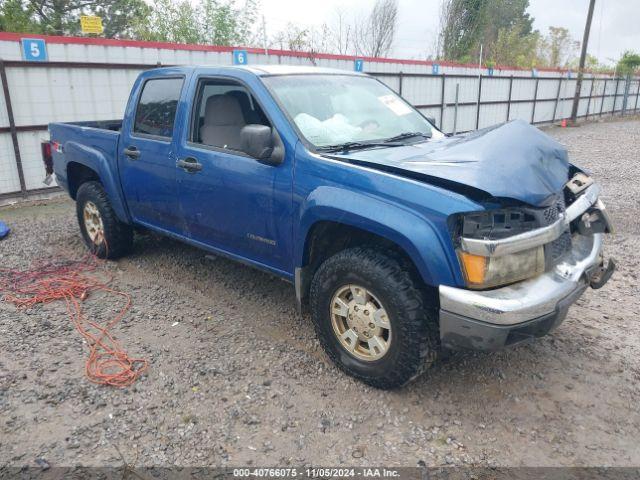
{"type": "Point", "coordinates": [524, 267]}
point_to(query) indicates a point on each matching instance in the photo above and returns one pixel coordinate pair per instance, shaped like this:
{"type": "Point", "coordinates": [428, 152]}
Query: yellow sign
{"type": "Point", "coordinates": [91, 24]}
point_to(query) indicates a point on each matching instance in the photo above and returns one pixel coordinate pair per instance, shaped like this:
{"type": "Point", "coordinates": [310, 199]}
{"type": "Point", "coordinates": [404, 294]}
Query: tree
{"type": "Point", "coordinates": [119, 17]}
{"type": "Point", "coordinates": [374, 36]}
{"type": "Point", "coordinates": [170, 21]}
{"type": "Point", "coordinates": [17, 17]}
{"type": "Point", "coordinates": [226, 24]}
{"type": "Point", "coordinates": [341, 34]}
{"type": "Point", "coordinates": [629, 63]}
{"type": "Point", "coordinates": [214, 22]}
{"type": "Point", "coordinates": [62, 17]}
{"type": "Point", "coordinates": [467, 24]}
{"type": "Point", "coordinates": [512, 47]}
{"type": "Point", "coordinates": [292, 38]}
{"type": "Point", "coordinates": [561, 47]}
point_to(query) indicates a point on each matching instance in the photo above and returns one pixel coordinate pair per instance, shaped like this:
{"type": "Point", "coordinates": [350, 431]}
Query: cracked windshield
{"type": "Point", "coordinates": [332, 110]}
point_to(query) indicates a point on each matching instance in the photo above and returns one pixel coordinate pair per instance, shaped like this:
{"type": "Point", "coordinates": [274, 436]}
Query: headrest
{"type": "Point", "coordinates": [223, 110]}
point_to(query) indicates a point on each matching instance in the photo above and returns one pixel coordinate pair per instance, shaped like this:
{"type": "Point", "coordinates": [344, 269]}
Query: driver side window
{"type": "Point", "coordinates": [221, 110]}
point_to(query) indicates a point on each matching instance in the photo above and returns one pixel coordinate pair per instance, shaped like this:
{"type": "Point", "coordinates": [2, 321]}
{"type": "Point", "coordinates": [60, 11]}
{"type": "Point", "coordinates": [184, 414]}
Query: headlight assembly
{"type": "Point", "coordinates": [481, 272]}
{"type": "Point", "coordinates": [486, 272]}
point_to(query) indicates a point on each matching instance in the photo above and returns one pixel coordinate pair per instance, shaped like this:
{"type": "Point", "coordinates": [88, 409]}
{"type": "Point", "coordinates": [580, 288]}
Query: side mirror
{"type": "Point", "coordinates": [257, 141]}
{"type": "Point", "coordinates": [432, 120]}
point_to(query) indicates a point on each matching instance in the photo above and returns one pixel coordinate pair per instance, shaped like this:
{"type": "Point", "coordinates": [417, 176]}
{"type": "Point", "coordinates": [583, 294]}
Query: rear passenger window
{"type": "Point", "coordinates": [157, 106]}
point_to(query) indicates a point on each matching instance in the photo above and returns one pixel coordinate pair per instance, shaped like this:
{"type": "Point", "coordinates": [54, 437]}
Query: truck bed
{"type": "Point", "coordinates": [92, 144]}
{"type": "Point", "coordinates": [113, 125]}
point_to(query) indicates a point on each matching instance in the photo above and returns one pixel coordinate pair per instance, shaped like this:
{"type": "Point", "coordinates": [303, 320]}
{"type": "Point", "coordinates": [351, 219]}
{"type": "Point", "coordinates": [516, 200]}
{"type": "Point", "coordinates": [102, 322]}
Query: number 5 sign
{"type": "Point", "coordinates": [34, 49]}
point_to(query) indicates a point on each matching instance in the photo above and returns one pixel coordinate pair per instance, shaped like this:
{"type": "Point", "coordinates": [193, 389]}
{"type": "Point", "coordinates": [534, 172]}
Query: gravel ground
{"type": "Point", "coordinates": [238, 378]}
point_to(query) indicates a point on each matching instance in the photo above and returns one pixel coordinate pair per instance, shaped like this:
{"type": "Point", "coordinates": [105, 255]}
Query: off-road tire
{"type": "Point", "coordinates": [413, 317]}
{"type": "Point", "coordinates": [118, 235]}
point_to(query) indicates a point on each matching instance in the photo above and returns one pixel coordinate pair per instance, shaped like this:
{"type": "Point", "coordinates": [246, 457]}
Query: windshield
{"type": "Point", "coordinates": [338, 109]}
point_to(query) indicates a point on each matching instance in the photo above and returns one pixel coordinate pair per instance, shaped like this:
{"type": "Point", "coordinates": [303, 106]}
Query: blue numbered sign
{"type": "Point", "coordinates": [358, 65]}
{"type": "Point", "coordinates": [34, 49]}
{"type": "Point", "coordinates": [240, 57]}
{"type": "Point", "coordinates": [435, 68]}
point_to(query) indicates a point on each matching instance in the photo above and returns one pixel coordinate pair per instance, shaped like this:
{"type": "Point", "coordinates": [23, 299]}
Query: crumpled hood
{"type": "Point", "coordinates": [513, 160]}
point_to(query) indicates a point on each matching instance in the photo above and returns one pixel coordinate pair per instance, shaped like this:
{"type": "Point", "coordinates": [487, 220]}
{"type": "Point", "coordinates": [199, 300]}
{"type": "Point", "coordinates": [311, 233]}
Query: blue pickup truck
{"type": "Point", "coordinates": [402, 242]}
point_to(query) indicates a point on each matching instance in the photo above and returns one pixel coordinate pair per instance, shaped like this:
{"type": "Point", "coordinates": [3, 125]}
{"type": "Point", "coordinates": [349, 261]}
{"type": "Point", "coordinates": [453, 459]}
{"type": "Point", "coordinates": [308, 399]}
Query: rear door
{"type": "Point", "coordinates": [147, 152]}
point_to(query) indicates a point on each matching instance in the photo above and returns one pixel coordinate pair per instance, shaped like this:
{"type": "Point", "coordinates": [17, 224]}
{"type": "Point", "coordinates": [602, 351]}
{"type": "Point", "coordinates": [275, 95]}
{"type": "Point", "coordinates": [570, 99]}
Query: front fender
{"type": "Point", "coordinates": [420, 237]}
{"type": "Point", "coordinates": [97, 161]}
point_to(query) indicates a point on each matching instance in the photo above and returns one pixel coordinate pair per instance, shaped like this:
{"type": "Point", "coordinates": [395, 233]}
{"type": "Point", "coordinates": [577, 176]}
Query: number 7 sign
{"type": "Point", "coordinates": [34, 49]}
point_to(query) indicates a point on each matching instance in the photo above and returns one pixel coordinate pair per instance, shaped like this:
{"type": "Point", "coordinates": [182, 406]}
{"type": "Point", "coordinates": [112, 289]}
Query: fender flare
{"type": "Point", "coordinates": [416, 235]}
{"type": "Point", "coordinates": [97, 161]}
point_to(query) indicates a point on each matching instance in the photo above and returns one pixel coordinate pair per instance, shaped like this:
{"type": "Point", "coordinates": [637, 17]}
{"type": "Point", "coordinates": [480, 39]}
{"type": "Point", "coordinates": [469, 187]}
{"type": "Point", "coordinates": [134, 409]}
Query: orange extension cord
{"type": "Point", "coordinates": [73, 281]}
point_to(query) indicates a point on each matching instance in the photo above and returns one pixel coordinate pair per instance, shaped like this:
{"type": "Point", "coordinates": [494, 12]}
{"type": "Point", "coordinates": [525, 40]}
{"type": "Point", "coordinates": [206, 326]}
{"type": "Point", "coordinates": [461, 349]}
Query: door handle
{"type": "Point", "coordinates": [189, 164]}
{"type": "Point", "coordinates": [132, 152]}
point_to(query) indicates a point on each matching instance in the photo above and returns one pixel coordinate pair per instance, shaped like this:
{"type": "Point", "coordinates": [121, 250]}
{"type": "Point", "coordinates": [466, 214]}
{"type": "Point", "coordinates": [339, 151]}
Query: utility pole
{"type": "Point", "coordinates": [583, 57]}
{"type": "Point", "coordinates": [264, 36]}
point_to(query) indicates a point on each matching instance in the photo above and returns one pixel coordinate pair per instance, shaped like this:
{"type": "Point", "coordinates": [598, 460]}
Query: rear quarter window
{"type": "Point", "coordinates": [156, 110]}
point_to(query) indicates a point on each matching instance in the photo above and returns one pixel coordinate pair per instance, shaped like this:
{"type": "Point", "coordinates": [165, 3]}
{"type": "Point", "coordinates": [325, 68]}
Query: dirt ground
{"type": "Point", "coordinates": [236, 377]}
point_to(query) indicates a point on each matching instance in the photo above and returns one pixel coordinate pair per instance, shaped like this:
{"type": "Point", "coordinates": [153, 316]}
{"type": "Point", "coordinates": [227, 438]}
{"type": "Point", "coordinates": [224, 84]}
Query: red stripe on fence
{"type": "Point", "coordinates": [112, 42]}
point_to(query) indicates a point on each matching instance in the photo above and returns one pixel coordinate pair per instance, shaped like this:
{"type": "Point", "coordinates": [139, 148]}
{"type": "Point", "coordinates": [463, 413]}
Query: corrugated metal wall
{"type": "Point", "coordinates": [88, 79]}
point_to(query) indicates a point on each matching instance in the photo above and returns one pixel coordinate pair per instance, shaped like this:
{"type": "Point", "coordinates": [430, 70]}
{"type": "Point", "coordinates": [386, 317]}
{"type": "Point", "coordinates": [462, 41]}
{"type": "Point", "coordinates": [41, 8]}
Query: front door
{"type": "Point", "coordinates": [229, 200]}
{"type": "Point", "coordinates": [147, 155]}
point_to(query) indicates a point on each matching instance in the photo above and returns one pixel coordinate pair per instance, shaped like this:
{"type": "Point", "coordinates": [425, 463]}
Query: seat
{"type": "Point", "coordinates": [250, 116]}
{"type": "Point", "coordinates": [223, 121]}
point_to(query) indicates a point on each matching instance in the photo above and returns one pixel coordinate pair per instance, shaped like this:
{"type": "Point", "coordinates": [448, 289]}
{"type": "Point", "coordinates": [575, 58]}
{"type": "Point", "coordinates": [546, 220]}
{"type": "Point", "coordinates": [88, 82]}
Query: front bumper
{"type": "Point", "coordinates": [488, 320]}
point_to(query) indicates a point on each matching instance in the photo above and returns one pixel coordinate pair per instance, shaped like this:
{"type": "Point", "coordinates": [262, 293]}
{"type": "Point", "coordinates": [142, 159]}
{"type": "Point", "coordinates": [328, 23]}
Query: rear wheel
{"type": "Point", "coordinates": [104, 234]}
{"type": "Point", "coordinates": [372, 318]}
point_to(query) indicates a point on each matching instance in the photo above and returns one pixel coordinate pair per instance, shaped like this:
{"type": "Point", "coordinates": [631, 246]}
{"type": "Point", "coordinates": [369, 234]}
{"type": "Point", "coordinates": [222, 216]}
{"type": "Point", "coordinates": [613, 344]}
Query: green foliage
{"type": "Point", "coordinates": [467, 24]}
{"type": "Point", "coordinates": [558, 49]}
{"type": "Point", "coordinates": [62, 17]}
{"type": "Point", "coordinates": [15, 16]}
{"type": "Point", "coordinates": [513, 47]}
{"type": "Point", "coordinates": [215, 22]}
{"type": "Point", "coordinates": [629, 63]}
{"type": "Point", "coordinates": [119, 17]}
{"type": "Point", "coordinates": [504, 29]}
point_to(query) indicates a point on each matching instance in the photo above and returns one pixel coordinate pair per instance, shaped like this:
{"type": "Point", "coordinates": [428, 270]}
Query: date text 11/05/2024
{"type": "Point", "coordinates": [320, 472]}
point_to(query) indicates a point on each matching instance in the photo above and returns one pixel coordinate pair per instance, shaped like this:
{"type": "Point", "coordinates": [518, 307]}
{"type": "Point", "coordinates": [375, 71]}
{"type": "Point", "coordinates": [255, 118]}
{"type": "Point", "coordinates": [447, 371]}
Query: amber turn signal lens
{"type": "Point", "coordinates": [474, 266]}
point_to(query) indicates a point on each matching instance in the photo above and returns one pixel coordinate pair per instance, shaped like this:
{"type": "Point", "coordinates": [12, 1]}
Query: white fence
{"type": "Point", "coordinates": [90, 79]}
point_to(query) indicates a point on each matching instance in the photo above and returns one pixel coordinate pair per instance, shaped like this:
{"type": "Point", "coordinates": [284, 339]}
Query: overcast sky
{"type": "Point", "coordinates": [615, 28]}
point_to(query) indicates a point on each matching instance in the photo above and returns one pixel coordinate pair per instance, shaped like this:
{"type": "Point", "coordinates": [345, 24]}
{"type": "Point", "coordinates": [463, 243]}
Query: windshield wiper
{"type": "Point", "coordinates": [347, 146]}
{"type": "Point", "coordinates": [405, 135]}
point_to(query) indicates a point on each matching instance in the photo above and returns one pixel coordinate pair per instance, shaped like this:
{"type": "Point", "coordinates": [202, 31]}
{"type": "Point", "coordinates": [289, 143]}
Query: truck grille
{"type": "Point", "coordinates": [562, 244]}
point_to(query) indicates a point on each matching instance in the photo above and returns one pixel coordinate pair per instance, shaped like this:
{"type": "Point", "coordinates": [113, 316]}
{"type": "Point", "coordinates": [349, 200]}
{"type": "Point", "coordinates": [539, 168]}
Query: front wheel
{"type": "Point", "coordinates": [370, 316]}
{"type": "Point", "coordinates": [104, 234]}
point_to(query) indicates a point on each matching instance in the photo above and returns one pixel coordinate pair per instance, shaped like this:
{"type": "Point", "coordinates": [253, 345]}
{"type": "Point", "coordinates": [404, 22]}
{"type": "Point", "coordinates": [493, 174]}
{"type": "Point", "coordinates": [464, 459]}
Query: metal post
{"type": "Point", "coordinates": [586, 116]}
{"type": "Point", "coordinates": [442, 103]}
{"type": "Point", "coordinates": [604, 92]}
{"type": "Point", "coordinates": [455, 110]}
{"type": "Point", "coordinates": [479, 95]}
{"type": "Point", "coordinates": [637, 95]}
{"type": "Point", "coordinates": [615, 97]}
{"type": "Point", "coordinates": [400, 75]}
{"type": "Point", "coordinates": [555, 106]}
{"type": "Point", "coordinates": [625, 95]}
{"type": "Point", "coordinates": [509, 99]}
{"type": "Point", "coordinates": [583, 56]}
{"type": "Point", "coordinates": [12, 128]}
{"type": "Point", "coordinates": [535, 98]}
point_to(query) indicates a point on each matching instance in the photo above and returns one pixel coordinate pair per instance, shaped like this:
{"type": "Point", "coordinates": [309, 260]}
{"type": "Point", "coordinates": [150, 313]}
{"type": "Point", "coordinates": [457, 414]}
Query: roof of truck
{"type": "Point", "coordinates": [292, 70]}
{"type": "Point", "coordinates": [266, 70]}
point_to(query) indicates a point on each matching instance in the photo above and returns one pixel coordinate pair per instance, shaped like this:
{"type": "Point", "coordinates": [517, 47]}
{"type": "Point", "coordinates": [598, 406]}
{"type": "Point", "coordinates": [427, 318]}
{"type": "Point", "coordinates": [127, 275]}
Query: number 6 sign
{"type": "Point", "coordinates": [34, 49]}
{"type": "Point", "coordinates": [240, 57]}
